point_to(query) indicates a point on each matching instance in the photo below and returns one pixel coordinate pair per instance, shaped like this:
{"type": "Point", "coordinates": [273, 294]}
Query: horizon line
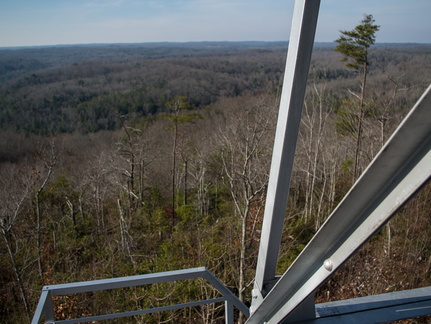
{"type": "Point", "coordinates": [187, 42]}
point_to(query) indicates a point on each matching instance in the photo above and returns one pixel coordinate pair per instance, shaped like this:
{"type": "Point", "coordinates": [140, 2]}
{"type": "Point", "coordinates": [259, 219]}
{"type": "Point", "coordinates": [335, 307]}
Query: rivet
{"type": "Point", "coordinates": [328, 264]}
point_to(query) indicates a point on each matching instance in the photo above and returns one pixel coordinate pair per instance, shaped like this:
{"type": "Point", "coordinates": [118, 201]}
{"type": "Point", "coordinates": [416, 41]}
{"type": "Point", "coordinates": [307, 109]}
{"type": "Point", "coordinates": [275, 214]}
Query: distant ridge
{"type": "Point", "coordinates": [198, 44]}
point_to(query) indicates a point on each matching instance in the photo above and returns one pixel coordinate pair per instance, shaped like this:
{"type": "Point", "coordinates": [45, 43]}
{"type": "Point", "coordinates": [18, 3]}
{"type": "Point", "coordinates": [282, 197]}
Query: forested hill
{"type": "Point", "coordinates": [131, 183]}
{"type": "Point", "coordinates": [62, 89]}
{"type": "Point", "coordinates": [50, 90]}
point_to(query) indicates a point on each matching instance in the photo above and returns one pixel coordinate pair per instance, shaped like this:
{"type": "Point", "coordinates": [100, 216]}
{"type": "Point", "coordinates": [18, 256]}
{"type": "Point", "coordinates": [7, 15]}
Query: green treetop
{"type": "Point", "coordinates": [354, 44]}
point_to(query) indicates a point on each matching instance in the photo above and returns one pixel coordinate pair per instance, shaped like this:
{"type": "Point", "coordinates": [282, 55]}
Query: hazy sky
{"type": "Point", "coordinates": [50, 22]}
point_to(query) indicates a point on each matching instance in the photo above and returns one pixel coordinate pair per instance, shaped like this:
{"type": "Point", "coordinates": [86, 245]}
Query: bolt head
{"type": "Point", "coordinates": [328, 264]}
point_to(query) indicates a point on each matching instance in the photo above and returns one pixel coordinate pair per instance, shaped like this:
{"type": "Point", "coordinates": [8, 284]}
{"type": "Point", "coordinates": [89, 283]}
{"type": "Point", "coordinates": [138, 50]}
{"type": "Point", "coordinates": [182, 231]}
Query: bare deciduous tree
{"type": "Point", "coordinates": [245, 155]}
{"type": "Point", "coordinates": [16, 185]}
{"type": "Point", "coordinates": [48, 157]}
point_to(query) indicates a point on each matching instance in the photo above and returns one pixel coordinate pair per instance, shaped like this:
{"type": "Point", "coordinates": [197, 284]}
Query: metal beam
{"type": "Point", "coordinates": [379, 315]}
{"type": "Point", "coordinates": [292, 98]}
{"type": "Point", "coordinates": [381, 308]}
{"type": "Point", "coordinates": [401, 168]}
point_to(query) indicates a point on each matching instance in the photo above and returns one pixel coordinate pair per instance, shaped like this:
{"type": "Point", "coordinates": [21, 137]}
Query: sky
{"type": "Point", "coordinates": [59, 22]}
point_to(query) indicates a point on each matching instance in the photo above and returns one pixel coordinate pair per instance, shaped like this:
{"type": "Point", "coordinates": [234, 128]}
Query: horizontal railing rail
{"type": "Point", "coordinates": [45, 307]}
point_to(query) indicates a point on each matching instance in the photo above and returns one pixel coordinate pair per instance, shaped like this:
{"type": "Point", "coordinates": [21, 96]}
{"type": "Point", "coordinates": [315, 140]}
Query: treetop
{"type": "Point", "coordinates": [354, 44]}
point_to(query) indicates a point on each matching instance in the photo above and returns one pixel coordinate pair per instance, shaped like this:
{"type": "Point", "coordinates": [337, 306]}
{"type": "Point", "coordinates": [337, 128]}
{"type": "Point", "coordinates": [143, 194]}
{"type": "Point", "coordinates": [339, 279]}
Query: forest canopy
{"type": "Point", "coordinates": [118, 160]}
{"type": "Point", "coordinates": [65, 89]}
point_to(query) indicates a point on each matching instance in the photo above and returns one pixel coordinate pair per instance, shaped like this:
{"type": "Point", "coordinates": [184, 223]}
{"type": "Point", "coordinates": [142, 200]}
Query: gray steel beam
{"type": "Point", "coordinates": [292, 98]}
{"type": "Point", "coordinates": [401, 168]}
{"type": "Point", "coordinates": [379, 315]}
{"type": "Point", "coordinates": [381, 308]}
{"type": "Point", "coordinates": [229, 317]}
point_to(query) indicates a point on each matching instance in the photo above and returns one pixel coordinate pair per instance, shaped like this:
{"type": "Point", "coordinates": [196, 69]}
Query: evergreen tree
{"type": "Point", "coordinates": [354, 45]}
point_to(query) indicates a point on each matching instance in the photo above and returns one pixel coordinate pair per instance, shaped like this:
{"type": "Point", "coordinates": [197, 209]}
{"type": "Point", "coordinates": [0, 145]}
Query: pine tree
{"type": "Point", "coordinates": [354, 45]}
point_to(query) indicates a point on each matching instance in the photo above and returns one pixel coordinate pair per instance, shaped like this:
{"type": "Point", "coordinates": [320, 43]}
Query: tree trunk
{"type": "Point", "coordinates": [7, 239]}
{"type": "Point", "coordinates": [141, 181]}
{"type": "Point", "coordinates": [174, 164]}
{"type": "Point", "coordinates": [39, 220]}
{"type": "Point", "coordinates": [241, 285]}
{"type": "Point", "coordinates": [185, 181]}
{"type": "Point", "coordinates": [39, 236]}
{"type": "Point", "coordinates": [126, 238]}
{"type": "Point", "coordinates": [360, 122]}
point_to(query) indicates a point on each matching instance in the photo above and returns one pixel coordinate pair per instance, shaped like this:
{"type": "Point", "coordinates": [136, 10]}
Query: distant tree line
{"type": "Point", "coordinates": [92, 95]}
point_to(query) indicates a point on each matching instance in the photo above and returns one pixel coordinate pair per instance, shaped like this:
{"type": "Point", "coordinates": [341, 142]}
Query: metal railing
{"type": "Point", "coordinates": [45, 307]}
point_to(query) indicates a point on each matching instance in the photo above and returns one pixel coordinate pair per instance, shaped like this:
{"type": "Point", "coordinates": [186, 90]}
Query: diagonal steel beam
{"type": "Point", "coordinates": [400, 169]}
{"type": "Point", "coordinates": [292, 98]}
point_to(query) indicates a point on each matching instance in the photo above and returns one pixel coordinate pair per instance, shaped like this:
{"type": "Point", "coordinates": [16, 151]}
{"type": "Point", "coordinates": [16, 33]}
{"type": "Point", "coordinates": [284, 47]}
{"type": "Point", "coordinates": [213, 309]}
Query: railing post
{"type": "Point", "coordinates": [44, 307]}
{"type": "Point", "coordinates": [228, 308]}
